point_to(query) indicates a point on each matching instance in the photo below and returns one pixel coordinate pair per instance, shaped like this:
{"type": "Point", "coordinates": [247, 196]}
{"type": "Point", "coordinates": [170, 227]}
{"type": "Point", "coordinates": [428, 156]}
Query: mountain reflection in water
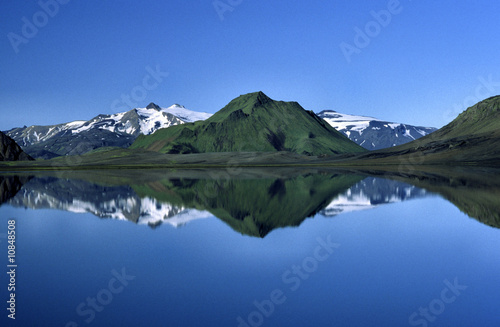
{"type": "Point", "coordinates": [253, 205]}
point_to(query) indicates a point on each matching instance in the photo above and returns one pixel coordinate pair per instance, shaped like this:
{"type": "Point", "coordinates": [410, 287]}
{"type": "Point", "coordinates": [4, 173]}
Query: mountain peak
{"type": "Point", "coordinates": [260, 97]}
{"type": "Point", "coordinates": [248, 102]}
{"type": "Point", "coordinates": [153, 105]}
{"type": "Point", "coordinates": [255, 98]}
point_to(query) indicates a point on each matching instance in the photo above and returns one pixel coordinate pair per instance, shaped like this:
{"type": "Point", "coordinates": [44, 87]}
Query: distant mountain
{"type": "Point", "coordinates": [117, 130]}
{"type": "Point", "coordinates": [252, 122]}
{"type": "Point", "coordinates": [122, 129]}
{"type": "Point", "coordinates": [372, 133]}
{"type": "Point", "coordinates": [10, 150]}
{"type": "Point", "coordinates": [472, 138]}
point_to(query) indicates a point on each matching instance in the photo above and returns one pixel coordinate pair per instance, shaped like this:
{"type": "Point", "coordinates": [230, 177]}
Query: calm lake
{"type": "Point", "coordinates": [252, 248]}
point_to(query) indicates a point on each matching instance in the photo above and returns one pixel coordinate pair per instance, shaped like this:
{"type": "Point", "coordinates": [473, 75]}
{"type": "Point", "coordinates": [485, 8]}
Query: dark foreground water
{"type": "Point", "coordinates": [179, 251]}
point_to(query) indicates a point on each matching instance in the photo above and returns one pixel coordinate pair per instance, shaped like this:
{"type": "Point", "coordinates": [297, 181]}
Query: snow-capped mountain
{"type": "Point", "coordinates": [372, 133]}
{"type": "Point", "coordinates": [370, 193]}
{"type": "Point", "coordinates": [119, 130]}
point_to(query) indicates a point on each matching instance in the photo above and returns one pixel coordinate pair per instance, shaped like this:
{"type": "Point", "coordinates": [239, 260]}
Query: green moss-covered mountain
{"type": "Point", "coordinates": [10, 151]}
{"type": "Point", "coordinates": [252, 122]}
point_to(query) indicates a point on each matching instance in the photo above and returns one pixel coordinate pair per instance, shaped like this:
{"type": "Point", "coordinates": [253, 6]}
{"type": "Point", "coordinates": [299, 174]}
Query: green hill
{"type": "Point", "coordinates": [252, 122]}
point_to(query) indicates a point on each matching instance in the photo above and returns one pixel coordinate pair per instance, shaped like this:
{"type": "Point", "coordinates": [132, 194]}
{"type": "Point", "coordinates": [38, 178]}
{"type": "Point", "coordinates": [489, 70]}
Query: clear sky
{"type": "Point", "coordinates": [421, 64]}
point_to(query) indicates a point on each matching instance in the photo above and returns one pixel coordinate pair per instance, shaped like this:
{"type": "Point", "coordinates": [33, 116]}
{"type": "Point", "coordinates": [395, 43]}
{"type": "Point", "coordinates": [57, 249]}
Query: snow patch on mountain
{"type": "Point", "coordinates": [151, 120]}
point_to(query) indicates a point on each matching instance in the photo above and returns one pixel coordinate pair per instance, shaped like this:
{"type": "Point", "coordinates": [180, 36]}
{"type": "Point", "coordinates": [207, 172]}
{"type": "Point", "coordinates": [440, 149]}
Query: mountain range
{"type": "Point", "coordinates": [122, 129]}
{"type": "Point", "coordinates": [257, 125]}
{"type": "Point", "coordinates": [116, 130]}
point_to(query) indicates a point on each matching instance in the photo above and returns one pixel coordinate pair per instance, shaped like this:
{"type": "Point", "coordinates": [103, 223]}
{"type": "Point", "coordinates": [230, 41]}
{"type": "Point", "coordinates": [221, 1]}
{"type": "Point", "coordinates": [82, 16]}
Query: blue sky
{"type": "Point", "coordinates": [421, 64]}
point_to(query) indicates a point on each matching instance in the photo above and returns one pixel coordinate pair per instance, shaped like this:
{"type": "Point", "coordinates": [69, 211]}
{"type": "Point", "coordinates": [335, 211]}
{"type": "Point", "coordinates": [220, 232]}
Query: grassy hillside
{"type": "Point", "coordinates": [252, 123]}
{"type": "Point", "coordinates": [484, 117]}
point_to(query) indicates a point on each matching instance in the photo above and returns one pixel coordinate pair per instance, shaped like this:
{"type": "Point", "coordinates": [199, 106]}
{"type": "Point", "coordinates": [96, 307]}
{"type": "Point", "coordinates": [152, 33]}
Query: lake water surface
{"type": "Point", "coordinates": [251, 248]}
